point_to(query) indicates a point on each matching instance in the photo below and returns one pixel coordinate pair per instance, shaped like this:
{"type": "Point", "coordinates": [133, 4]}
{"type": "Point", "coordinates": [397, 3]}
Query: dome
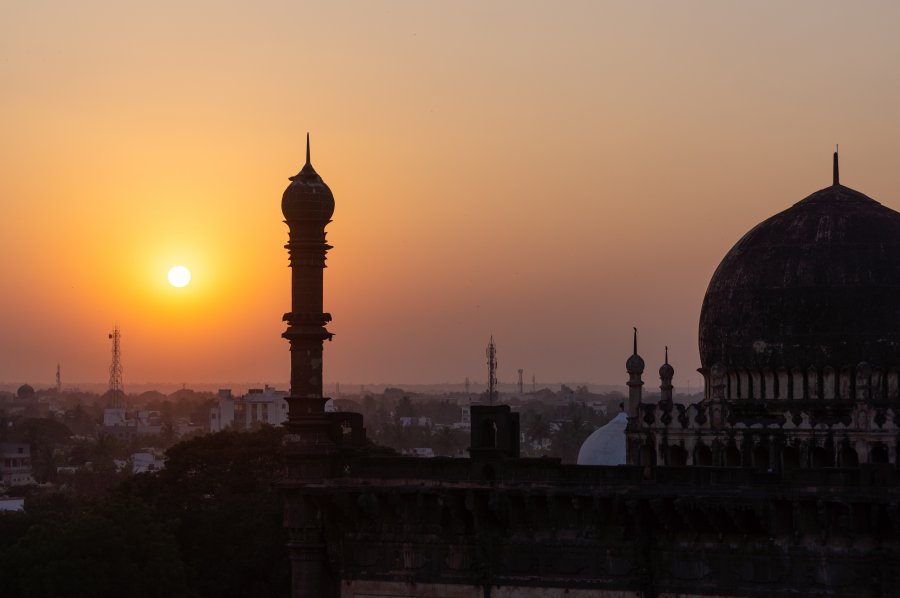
{"type": "Point", "coordinates": [307, 198]}
{"type": "Point", "coordinates": [26, 391]}
{"type": "Point", "coordinates": [666, 371]}
{"type": "Point", "coordinates": [635, 364]}
{"type": "Point", "coordinates": [606, 445]}
{"type": "Point", "coordinates": [815, 285]}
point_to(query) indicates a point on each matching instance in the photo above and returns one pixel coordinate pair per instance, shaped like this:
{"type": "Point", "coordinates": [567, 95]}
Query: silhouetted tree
{"type": "Point", "coordinates": [219, 491]}
{"type": "Point", "coordinates": [111, 548]}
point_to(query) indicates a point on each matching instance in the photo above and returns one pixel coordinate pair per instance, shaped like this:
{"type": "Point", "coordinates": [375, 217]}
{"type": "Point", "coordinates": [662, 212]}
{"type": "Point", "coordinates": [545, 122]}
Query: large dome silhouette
{"type": "Point", "coordinates": [815, 285]}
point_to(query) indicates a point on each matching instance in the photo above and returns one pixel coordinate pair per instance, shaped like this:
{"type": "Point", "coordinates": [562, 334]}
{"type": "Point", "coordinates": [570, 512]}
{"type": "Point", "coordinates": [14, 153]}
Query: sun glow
{"type": "Point", "coordinates": [179, 276]}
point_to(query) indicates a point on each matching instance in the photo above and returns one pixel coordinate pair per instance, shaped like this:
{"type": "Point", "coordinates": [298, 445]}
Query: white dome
{"type": "Point", "coordinates": [606, 446]}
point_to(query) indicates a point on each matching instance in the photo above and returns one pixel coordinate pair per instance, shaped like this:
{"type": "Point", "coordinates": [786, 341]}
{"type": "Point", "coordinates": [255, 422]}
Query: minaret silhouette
{"type": "Point", "coordinates": [635, 367]}
{"type": "Point", "coordinates": [308, 205]}
{"type": "Point", "coordinates": [666, 373]}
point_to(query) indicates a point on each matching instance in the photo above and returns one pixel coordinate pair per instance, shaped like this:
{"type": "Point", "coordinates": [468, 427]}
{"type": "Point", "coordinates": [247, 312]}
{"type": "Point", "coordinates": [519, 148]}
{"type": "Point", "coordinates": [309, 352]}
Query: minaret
{"type": "Point", "coordinates": [307, 205]}
{"type": "Point", "coordinates": [666, 373]}
{"type": "Point", "coordinates": [635, 367]}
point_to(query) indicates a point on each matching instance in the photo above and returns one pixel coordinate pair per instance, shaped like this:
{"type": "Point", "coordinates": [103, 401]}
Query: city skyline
{"type": "Point", "coordinates": [549, 176]}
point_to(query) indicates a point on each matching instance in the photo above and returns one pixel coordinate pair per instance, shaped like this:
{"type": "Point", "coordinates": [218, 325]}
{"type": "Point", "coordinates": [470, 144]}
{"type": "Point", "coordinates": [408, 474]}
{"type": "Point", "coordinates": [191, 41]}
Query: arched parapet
{"type": "Point", "coordinates": [790, 457]}
{"type": "Point", "coordinates": [798, 385]}
{"type": "Point", "coordinates": [784, 383]}
{"type": "Point", "coordinates": [734, 385]}
{"type": "Point", "coordinates": [760, 456]}
{"type": "Point", "coordinates": [769, 384]}
{"type": "Point", "coordinates": [821, 454]}
{"type": "Point", "coordinates": [731, 454]}
{"type": "Point", "coordinates": [847, 454]}
{"type": "Point", "coordinates": [703, 454]}
{"type": "Point", "coordinates": [862, 390]}
{"type": "Point", "coordinates": [813, 386]}
{"type": "Point", "coordinates": [647, 457]}
{"type": "Point", "coordinates": [829, 382]}
{"type": "Point", "coordinates": [677, 455]}
{"type": "Point", "coordinates": [744, 386]}
{"type": "Point", "coordinates": [845, 383]}
{"type": "Point", "coordinates": [877, 386]}
{"type": "Point", "coordinates": [756, 386]}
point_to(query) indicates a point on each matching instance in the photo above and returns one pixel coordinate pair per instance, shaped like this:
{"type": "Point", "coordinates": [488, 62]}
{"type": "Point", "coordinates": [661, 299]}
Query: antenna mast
{"type": "Point", "coordinates": [58, 381]}
{"type": "Point", "coordinates": [115, 370]}
{"type": "Point", "coordinates": [492, 371]}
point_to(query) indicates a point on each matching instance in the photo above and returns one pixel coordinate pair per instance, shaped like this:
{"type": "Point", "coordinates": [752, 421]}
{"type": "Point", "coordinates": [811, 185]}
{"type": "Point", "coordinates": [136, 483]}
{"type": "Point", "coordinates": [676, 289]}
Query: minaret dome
{"type": "Point", "coordinates": [307, 198]}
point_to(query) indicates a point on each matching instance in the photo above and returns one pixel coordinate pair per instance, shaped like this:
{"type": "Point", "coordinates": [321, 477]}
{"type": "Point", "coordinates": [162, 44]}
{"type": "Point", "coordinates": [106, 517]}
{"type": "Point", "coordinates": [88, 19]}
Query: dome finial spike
{"type": "Point", "coordinates": [837, 172]}
{"type": "Point", "coordinates": [635, 340]}
{"type": "Point", "coordinates": [667, 354]}
{"type": "Point", "coordinates": [307, 147]}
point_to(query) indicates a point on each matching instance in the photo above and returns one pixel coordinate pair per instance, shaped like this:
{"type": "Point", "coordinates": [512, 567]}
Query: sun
{"type": "Point", "coordinates": [179, 276]}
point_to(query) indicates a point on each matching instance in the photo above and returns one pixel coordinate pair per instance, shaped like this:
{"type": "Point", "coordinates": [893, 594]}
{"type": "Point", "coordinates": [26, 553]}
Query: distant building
{"type": "Point", "coordinates": [222, 416]}
{"type": "Point", "coordinates": [25, 403]}
{"type": "Point", "coordinates": [12, 504]}
{"type": "Point", "coordinates": [15, 464]}
{"type": "Point", "coordinates": [146, 461]}
{"type": "Point", "coordinates": [124, 424]}
{"type": "Point", "coordinates": [260, 406]}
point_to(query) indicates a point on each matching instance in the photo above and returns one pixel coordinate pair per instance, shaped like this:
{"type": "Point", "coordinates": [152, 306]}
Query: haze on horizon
{"type": "Point", "coordinates": [551, 174]}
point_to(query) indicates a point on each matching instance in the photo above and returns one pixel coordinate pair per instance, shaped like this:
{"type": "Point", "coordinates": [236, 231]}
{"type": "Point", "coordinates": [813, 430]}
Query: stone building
{"type": "Point", "coordinates": [799, 347]}
{"type": "Point", "coordinates": [363, 524]}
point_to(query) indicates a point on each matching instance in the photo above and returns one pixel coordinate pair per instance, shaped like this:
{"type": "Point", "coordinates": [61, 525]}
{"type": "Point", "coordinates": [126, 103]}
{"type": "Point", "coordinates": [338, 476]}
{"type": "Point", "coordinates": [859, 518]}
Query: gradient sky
{"type": "Point", "coordinates": [549, 173]}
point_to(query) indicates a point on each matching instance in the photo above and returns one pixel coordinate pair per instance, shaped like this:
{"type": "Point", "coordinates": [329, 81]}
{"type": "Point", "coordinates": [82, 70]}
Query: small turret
{"type": "Point", "coordinates": [635, 367]}
{"type": "Point", "coordinates": [666, 373]}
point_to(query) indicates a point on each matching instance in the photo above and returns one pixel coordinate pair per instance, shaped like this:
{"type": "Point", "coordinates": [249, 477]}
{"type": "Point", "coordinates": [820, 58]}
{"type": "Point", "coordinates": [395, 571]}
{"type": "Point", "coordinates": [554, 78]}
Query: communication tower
{"type": "Point", "coordinates": [58, 381]}
{"type": "Point", "coordinates": [492, 371]}
{"type": "Point", "coordinates": [521, 386]}
{"type": "Point", "coordinates": [117, 389]}
{"type": "Point", "coordinates": [467, 385]}
{"type": "Point", "coordinates": [533, 384]}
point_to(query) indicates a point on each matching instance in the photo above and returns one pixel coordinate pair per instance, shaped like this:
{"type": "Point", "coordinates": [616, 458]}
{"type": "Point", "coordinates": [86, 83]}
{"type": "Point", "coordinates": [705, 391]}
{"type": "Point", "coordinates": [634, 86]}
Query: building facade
{"type": "Point", "coordinates": [362, 524]}
{"type": "Point", "coordinates": [15, 464]}
{"type": "Point", "coordinates": [799, 347]}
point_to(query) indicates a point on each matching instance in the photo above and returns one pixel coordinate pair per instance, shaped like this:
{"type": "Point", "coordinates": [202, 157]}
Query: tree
{"type": "Point", "coordinates": [220, 492]}
{"type": "Point", "coordinates": [537, 429]}
{"type": "Point", "coordinates": [568, 438]}
{"type": "Point", "coordinates": [405, 408]}
{"type": "Point", "coordinates": [108, 548]}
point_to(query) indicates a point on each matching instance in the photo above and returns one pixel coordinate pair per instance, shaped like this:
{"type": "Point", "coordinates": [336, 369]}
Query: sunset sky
{"type": "Point", "coordinates": [552, 173]}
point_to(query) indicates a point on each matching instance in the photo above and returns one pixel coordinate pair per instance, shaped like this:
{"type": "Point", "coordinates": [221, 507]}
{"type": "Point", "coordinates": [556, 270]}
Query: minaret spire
{"type": "Point", "coordinates": [667, 355]}
{"type": "Point", "coordinates": [635, 341]}
{"type": "Point", "coordinates": [837, 172]}
{"type": "Point", "coordinates": [307, 148]}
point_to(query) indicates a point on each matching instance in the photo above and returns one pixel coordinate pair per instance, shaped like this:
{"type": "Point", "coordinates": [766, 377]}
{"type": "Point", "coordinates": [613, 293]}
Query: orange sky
{"type": "Point", "coordinates": [549, 173]}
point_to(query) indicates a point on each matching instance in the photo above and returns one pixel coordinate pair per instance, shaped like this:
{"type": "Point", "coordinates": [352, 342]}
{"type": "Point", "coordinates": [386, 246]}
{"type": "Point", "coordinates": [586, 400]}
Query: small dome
{"type": "Point", "coordinates": [26, 391]}
{"type": "Point", "coordinates": [666, 371]}
{"type": "Point", "coordinates": [307, 198]}
{"type": "Point", "coordinates": [635, 365]}
{"type": "Point", "coordinates": [606, 445]}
